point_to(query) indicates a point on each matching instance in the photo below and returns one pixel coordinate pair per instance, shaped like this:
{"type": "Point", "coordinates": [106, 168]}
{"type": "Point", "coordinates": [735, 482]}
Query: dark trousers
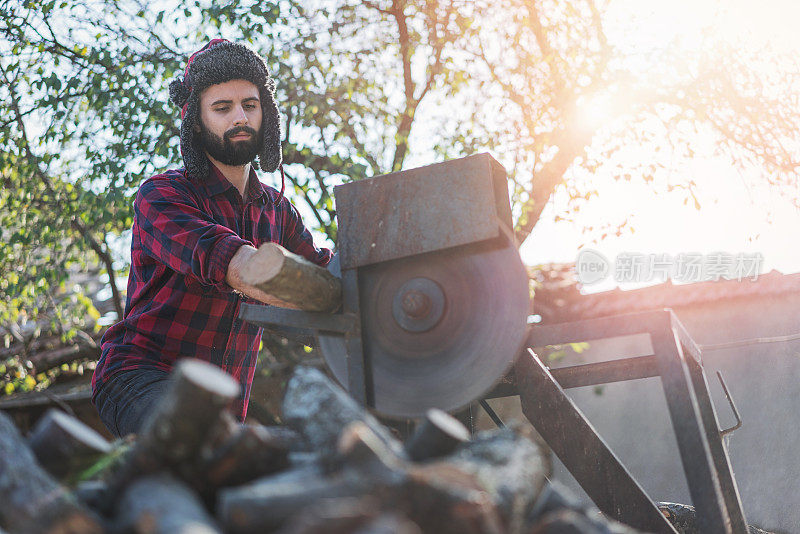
{"type": "Point", "coordinates": [128, 397]}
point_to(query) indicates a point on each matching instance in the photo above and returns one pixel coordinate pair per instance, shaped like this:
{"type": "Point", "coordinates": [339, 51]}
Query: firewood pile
{"type": "Point", "coordinates": [331, 468]}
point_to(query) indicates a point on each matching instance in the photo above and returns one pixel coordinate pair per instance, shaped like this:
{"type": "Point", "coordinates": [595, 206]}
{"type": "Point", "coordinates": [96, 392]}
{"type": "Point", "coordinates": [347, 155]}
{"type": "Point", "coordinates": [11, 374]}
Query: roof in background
{"type": "Point", "coordinates": [559, 298]}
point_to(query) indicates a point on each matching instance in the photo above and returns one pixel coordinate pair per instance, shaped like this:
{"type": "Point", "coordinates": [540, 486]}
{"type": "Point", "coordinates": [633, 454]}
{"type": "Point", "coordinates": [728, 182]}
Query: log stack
{"type": "Point", "coordinates": [333, 467]}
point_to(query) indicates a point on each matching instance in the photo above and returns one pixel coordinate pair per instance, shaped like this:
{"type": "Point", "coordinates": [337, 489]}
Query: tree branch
{"type": "Point", "coordinates": [102, 254]}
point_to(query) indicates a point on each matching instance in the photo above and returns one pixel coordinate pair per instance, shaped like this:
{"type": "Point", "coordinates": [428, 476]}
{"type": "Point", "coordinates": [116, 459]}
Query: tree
{"type": "Point", "coordinates": [550, 62]}
{"type": "Point", "coordinates": [84, 88]}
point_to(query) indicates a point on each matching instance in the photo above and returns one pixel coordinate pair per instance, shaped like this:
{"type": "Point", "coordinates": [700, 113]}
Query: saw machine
{"type": "Point", "coordinates": [435, 301]}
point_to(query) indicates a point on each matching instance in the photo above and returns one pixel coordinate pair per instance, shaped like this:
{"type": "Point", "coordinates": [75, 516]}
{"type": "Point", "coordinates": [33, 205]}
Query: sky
{"type": "Point", "coordinates": [736, 216]}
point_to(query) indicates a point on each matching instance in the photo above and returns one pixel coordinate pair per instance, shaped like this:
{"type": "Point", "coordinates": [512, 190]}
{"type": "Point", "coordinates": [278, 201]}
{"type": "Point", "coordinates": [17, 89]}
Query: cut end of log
{"type": "Point", "coordinates": [265, 264]}
{"type": "Point", "coordinates": [208, 377]}
{"type": "Point", "coordinates": [74, 428]}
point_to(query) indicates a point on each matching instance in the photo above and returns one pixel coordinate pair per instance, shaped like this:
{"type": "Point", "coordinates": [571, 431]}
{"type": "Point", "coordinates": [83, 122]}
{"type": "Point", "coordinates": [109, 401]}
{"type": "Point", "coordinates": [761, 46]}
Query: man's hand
{"type": "Point", "coordinates": [234, 279]}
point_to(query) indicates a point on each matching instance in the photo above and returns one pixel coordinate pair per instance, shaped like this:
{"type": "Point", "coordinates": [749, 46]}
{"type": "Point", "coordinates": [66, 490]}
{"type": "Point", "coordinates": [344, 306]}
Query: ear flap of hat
{"type": "Point", "coordinates": [194, 159]}
{"type": "Point", "coordinates": [179, 92]}
{"type": "Point", "coordinates": [270, 156]}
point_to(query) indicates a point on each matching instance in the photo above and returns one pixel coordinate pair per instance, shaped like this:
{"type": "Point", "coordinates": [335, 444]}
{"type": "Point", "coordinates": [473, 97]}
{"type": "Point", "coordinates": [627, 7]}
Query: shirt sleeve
{"type": "Point", "coordinates": [175, 231]}
{"type": "Point", "coordinates": [297, 238]}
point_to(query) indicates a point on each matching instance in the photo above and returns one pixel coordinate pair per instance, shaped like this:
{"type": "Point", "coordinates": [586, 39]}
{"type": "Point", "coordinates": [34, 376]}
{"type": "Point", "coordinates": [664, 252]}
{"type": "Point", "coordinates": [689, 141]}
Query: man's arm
{"type": "Point", "coordinates": [173, 229]}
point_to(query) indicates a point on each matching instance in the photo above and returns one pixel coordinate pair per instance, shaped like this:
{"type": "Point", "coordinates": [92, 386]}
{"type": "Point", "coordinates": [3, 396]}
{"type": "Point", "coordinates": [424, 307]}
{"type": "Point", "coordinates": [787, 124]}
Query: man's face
{"type": "Point", "coordinates": [230, 122]}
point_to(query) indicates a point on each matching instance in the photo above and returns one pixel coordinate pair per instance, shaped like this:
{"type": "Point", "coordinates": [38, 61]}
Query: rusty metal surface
{"type": "Point", "coordinates": [600, 328]}
{"type": "Point", "coordinates": [421, 210]}
{"type": "Point", "coordinates": [357, 377]}
{"type": "Point", "coordinates": [576, 443]}
{"type": "Point", "coordinates": [687, 421]}
{"type": "Point", "coordinates": [295, 320]}
{"type": "Point", "coordinates": [678, 363]}
{"type": "Point", "coordinates": [589, 374]}
{"type": "Point", "coordinates": [471, 346]}
{"type": "Point", "coordinates": [719, 454]}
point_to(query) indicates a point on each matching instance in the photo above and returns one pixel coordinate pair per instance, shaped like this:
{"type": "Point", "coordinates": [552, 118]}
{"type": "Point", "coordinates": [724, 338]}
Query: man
{"type": "Point", "coordinates": [194, 229]}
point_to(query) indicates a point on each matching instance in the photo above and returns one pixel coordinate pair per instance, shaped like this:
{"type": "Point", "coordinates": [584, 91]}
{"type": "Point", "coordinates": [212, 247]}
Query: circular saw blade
{"type": "Point", "coordinates": [472, 343]}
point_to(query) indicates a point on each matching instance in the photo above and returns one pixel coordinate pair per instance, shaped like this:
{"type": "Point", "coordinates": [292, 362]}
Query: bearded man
{"type": "Point", "coordinates": [194, 229]}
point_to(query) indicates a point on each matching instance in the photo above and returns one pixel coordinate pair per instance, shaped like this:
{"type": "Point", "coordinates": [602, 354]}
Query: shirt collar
{"type": "Point", "coordinates": [216, 183]}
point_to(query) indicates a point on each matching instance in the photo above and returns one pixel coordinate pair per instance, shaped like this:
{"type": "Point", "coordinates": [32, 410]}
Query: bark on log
{"type": "Point", "coordinates": [30, 499]}
{"type": "Point", "coordinates": [334, 516]}
{"type": "Point", "coordinates": [437, 435]}
{"type": "Point", "coordinates": [320, 410]}
{"type": "Point", "coordinates": [567, 521]}
{"type": "Point", "coordinates": [684, 518]}
{"type": "Point", "coordinates": [64, 446]}
{"type": "Point", "coordinates": [442, 498]}
{"type": "Point", "coordinates": [91, 492]}
{"type": "Point", "coordinates": [161, 504]}
{"type": "Point", "coordinates": [250, 452]}
{"type": "Point", "coordinates": [266, 504]}
{"type": "Point", "coordinates": [511, 467]}
{"type": "Point", "coordinates": [362, 451]}
{"type": "Point", "coordinates": [182, 423]}
{"type": "Point", "coordinates": [293, 279]}
{"type": "Point", "coordinates": [437, 497]}
{"type": "Point", "coordinates": [390, 523]}
{"type": "Point", "coordinates": [190, 409]}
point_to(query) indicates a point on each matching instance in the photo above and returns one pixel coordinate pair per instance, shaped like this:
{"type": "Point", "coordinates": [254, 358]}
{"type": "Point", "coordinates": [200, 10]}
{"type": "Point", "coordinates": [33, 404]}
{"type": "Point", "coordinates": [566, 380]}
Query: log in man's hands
{"type": "Point", "coordinates": [273, 275]}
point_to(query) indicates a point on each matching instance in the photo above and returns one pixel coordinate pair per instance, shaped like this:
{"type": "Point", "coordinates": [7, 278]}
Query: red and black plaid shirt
{"type": "Point", "coordinates": [185, 232]}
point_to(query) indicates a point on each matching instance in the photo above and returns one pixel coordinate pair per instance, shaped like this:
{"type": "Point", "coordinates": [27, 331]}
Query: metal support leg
{"type": "Point", "coordinates": [719, 454]}
{"type": "Point", "coordinates": [359, 372]}
{"type": "Point", "coordinates": [686, 418]}
{"type": "Point", "coordinates": [584, 453]}
{"type": "Point", "coordinates": [677, 361]}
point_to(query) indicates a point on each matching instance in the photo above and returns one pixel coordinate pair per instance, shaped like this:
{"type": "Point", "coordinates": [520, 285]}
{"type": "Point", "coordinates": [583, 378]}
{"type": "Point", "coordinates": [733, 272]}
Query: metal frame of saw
{"type": "Point", "coordinates": [390, 217]}
{"type": "Point", "coordinates": [677, 361]}
{"type": "Point", "coordinates": [375, 227]}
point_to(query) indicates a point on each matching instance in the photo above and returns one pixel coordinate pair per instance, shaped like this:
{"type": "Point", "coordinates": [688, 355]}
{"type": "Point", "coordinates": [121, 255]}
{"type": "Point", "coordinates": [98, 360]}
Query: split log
{"type": "Point", "coordinates": [64, 446]}
{"type": "Point", "coordinates": [566, 521]}
{"type": "Point", "coordinates": [161, 504]}
{"type": "Point", "coordinates": [390, 523]}
{"type": "Point", "coordinates": [511, 467]}
{"type": "Point", "coordinates": [268, 503]}
{"type": "Point", "coordinates": [334, 516]}
{"type": "Point", "coordinates": [30, 499]}
{"type": "Point", "coordinates": [250, 452]}
{"type": "Point", "coordinates": [684, 518]}
{"type": "Point", "coordinates": [293, 279]}
{"type": "Point", "coordinates": [554, 496]}
{"type": "Point", "coordinates": [181, 424]}
{"type": "Point", "coordinates": [437, 497]}
{"type": "Point", "coordinates": [191, 407]}
{"type": "Point", "coordinates": [91, 492]}
{"type": "Point", "coordinates": [360, 448]}
{"type": "Point", "coordinates": [437, 435]}
{"type": "Point", "coordinates": [442, 498]}
{"type": "Point", "coordinates": [319, 410]}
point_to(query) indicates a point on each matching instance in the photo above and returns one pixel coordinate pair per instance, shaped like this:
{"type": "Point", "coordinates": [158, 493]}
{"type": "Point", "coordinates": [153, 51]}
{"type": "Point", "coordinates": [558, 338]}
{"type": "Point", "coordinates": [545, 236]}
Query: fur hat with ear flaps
{"type": "Point", "coordinates": [221, 61]}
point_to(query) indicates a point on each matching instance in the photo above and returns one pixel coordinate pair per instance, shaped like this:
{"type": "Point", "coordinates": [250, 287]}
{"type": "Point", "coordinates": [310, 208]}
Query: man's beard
{"type": "Point", "coordinates": [228, 152]}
